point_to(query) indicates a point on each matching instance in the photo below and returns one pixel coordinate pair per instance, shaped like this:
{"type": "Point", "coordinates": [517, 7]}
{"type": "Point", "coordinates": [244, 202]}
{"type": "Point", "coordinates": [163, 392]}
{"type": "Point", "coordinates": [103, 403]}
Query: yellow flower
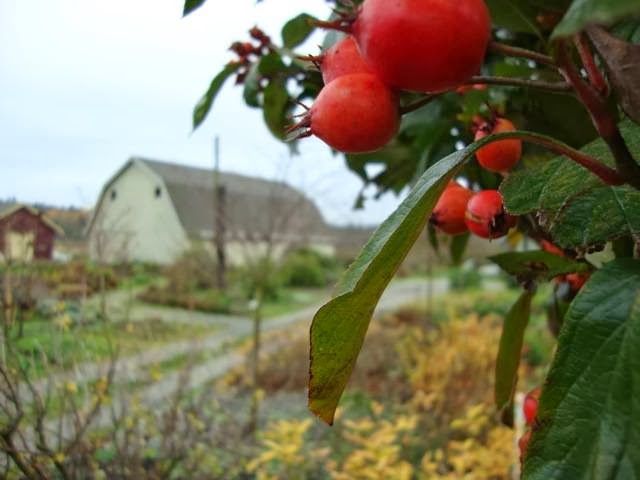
{"type": "Point", "coordinates": [71, 387]}
{"type": "Point", "coordinates": [63, 322]}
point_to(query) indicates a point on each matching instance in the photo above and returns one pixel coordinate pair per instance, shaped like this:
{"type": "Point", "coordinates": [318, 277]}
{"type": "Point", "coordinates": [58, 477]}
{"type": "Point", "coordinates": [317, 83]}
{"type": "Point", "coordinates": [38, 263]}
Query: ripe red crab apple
{"type": "Point", "coordinates": [530, 405]}
{"type": "Point", "coordinates": [486, 217]}
{"type": "Point", "coordinates": [424, 46]}
{"type": "Point", "coordinates": [449, 213]}
{"type": "Point", "coordinates": [354, 114]}
{"type": "Point", "coordinates": [500, 156]}
{"type": "Point", "coordinates": [343, 58]}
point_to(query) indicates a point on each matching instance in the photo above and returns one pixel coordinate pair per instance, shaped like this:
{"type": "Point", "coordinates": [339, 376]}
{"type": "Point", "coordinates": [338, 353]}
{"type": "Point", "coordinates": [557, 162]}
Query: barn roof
{"type": "Point", "coordinates": [11, 209]}
{"type": "Point", "coordinates": [254, 207]}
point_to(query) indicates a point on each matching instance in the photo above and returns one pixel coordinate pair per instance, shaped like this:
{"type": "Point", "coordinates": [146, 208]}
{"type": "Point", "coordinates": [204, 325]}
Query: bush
{"type": "Point", "coordinates": [465, 277]}
{"type": "Point", "coordinates": [211, 300]}
{"type": "Point", "coordinates": [194, 270]}
{"type": "Point", "coordinates": [308, 268]}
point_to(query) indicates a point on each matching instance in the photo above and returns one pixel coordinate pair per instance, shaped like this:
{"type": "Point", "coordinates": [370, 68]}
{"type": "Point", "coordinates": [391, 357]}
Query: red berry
{"type": "Point", "coordinates": [530, 405]}
{"type": "Point", "coordinates": [448, 214]}
{"type": "Point", "coordinates": [342, 59]}
{"type": "Point", "coordinates": [486, 217]}
{"type": "Point", "coordinates": [424, 46]}
{"type": "Point", "coordinates": [523, 443]}
{"type": "Point", "coordinates": [547, 246]}
{"type": "Point", "coordinates": [577, 280]}
{"type": "Point", "coordinates": [354, 114]}
{"type": "Point", "coordinates": [500, 156]}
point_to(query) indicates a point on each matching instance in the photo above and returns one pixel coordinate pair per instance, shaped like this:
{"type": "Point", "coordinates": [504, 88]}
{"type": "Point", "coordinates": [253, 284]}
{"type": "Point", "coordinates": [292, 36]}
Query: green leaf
{"type": "Point", "coordinates": [297, 30]}
{"type": "Point", "coordinates": [514, 15]}
{"type": "Point", "coordinates": [458, 247]}
{"type": "Point", "coordinates": [573, 205]}
{"type": "Point", "coordinates": [191, 5]}
{"type": "Point", "coordinates": [339, 327]}
{"type": "Point", "coordinates": [582, 13]}
{"type": "Point", "coordinates": [276, 100]}
{"type": "Point", "coordinates": [588, 416]}
{"type": "Point", "coordinates": [252, 86]}
{"type": "Point", "coordinates": [271, 64]}
{"type": "Point", "coordinates": [202, 108]}
{"type": "Point", "coordinates": [510, 351]}
{"type": "Point", "coordinates": [537, 265]}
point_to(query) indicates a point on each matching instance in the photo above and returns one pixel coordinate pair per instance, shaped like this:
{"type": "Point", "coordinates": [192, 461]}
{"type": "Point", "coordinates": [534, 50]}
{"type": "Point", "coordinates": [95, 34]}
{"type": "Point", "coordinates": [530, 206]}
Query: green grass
{"type": "Point", "coordinates": [293, 299]}
{"type": "Point", "coordinates": [45, 346]}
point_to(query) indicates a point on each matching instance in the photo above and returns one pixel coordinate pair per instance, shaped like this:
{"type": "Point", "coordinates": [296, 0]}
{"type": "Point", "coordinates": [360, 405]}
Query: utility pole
{"type": "Point", "coordinates": [219, 231]}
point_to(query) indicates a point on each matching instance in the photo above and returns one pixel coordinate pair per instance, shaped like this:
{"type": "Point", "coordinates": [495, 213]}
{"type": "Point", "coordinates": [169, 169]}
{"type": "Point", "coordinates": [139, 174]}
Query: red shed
{"type": "Point", "coordinates": [27, 234]}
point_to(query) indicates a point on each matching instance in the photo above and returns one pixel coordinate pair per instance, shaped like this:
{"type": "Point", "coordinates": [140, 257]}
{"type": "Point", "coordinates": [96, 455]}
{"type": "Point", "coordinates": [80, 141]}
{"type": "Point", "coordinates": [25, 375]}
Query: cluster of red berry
{"type": "Point", "coordinates": [529, 408]}
{"type": "Point", "coordinates": [460, 210]}
{"type": "Point", "coordinates": [392, 46]}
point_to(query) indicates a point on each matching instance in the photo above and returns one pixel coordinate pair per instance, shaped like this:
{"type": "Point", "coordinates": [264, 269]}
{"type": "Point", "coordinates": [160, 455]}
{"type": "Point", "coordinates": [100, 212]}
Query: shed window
{"type": "Point", "coordinates": [113, 194]}
{"type": "Point", "coordinates": [158, 192]}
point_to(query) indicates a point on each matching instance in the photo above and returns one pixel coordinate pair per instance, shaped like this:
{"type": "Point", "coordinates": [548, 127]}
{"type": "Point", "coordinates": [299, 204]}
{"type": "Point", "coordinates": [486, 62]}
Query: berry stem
{"type": "Point", "coordinates": [554, 87]}
{"type": "Point", "coordinates": [511, 51]}
{"type": "Point", "coordinates": [606, 174]}
{"type": "Point", "coordinates": [603, 118]}
{"type": "Point", "coordinates": [341, 24]}
{"type": "Point", "coordinates": [418, 103]}
{"type": "Point", "coordinates": [588, 61]}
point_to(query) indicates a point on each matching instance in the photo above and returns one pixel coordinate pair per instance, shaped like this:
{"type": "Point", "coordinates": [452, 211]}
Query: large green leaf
{"type": "Point", "coordinates": [537, 264]}
{"type": "Point", "coordinates": [510, 351]}
{"type": "Point", "coordinates": [202, 108]}
{"type": "Point", "coordinates": [582, 13]}
{"type": "Point", "coordinates": [573, 205]}
{"type": "Point", "coordinates": [297, 30]}
{"type": "Point", "coordinates": [339, 327]}
{"type": "Point", "coordinates": [588, 420]}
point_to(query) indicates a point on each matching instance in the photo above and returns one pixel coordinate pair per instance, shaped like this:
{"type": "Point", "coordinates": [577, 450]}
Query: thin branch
{"type": "Point", "coordinates": [418, 103]}
{"type": "Point", "coordinates": [589, 63]}
{"type": "Point", "coordinates": [518, 52]}
{"type": "Point", "coordinates": [604, 119]}
{"type": "Point", "coordinates": [606, 174]}
{"type": "Point", "coordinates": [554, 87]}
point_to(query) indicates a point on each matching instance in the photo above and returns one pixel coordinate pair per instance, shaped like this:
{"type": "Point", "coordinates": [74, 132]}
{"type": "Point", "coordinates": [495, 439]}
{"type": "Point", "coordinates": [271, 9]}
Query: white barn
{"type": "Point", "coordinates": [154, 211]}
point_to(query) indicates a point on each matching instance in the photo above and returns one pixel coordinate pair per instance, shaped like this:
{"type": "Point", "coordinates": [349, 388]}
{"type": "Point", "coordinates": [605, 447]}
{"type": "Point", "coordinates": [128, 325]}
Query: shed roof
{"type": "Point", "coordinates": [12, 209]}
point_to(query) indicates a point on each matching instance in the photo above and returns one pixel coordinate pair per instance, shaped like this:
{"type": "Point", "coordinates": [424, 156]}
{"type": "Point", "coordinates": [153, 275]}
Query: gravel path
{"type": "Point", "coordinates": [234, 329]}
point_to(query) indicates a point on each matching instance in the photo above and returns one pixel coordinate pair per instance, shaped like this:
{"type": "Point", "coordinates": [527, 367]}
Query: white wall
{"type": "Point", "coordinates": [135, 224]}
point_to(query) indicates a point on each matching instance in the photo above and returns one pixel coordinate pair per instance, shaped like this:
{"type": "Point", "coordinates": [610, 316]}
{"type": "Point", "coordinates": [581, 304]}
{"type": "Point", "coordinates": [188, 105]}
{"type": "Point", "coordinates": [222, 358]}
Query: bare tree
{"type": "Point", "coordinates": [264, 235]}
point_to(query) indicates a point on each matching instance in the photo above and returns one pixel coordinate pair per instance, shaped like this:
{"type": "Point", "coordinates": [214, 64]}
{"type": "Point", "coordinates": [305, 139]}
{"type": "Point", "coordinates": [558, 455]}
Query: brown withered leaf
{"type": "Point", "coordinates": [622, 61]}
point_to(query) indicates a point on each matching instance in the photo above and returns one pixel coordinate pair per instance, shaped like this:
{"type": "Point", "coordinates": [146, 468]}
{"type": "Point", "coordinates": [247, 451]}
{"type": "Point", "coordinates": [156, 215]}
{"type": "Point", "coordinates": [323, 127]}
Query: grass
{"type": "Point", "coordinates": [46, 345]}
{"type": "Point", "coordinates": [292, 300]}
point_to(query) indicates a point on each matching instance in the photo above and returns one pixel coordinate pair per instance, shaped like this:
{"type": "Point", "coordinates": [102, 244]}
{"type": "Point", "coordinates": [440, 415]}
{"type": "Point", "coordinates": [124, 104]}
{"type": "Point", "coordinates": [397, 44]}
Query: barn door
{"type": "Point", "coordinates": [19, 246]}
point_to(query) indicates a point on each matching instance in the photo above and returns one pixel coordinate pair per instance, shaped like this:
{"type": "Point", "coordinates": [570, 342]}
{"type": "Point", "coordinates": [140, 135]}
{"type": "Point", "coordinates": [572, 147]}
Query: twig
{"type": "Point", "coordinates": [418, 103]}
{"type": "Point", "coordinates": [554, 87]}
{"type": "Point", "coordinates": [606, 174]}
{"type": "Point", "coordinates": [511, 51]}
{"type": "Point", "coordinates": [602, 117]}
{"type": "Point", "coordinates": [589, 63]}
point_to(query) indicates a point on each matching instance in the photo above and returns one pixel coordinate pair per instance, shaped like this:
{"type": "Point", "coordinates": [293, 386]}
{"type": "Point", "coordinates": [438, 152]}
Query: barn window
{"type": "Point", "coordinates": [158, 192]}
{"type": "Point", "coordinates": [113, 195]}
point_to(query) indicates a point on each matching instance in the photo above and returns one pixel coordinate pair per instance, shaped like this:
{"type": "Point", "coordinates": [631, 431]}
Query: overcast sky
{"type": "Point", "coordinates": [85, 84]}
